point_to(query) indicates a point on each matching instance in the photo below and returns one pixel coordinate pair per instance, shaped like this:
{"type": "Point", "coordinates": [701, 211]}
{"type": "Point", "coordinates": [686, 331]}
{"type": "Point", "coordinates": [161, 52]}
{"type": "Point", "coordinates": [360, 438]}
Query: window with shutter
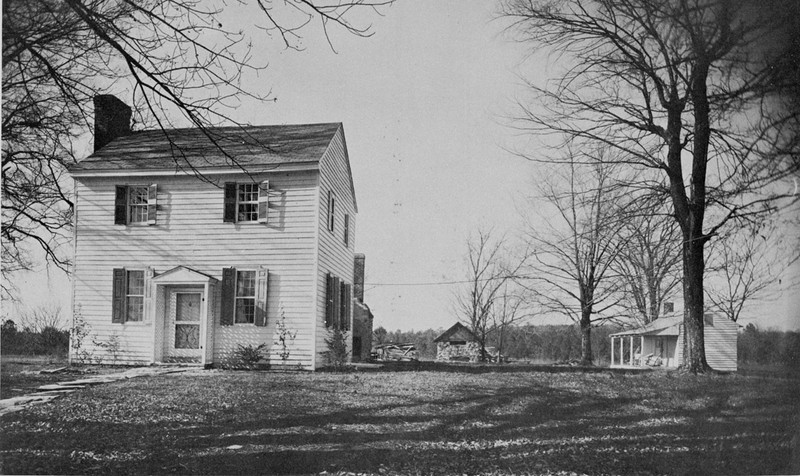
{"type": "Point", "coordinates": [135, 204]}
{"type": "Point", "coordinates": [128, 294]}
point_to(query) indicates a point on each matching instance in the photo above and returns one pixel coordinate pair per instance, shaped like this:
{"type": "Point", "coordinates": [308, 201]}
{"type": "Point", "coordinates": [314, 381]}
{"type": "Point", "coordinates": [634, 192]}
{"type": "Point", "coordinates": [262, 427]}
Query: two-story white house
{"type": "Point", "coordinates": [190, 243]}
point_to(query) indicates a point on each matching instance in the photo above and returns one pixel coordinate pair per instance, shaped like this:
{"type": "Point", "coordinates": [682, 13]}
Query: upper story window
{"type": "Point", "coordinates": [136, 204]}
{"type": "Point", "coordinates": [331, 210]}
{"type": "Point", "coordinates": [245, 306]}
{"type": "Point", "coordinates": [347, 229]}
{"type": "Point", "coordinates": [246, 202]}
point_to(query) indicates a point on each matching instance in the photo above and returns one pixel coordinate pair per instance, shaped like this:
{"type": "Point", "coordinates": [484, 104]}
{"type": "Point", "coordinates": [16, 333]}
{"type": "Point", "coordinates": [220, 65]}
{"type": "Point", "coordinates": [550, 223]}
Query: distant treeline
{"type": "Point", "coordinates": [48, 341]}
{"type": "Point", "coordinates": [550, 343]}
{"type": "Point", "coordinates": [562, 343]}
{"type": "Point", "coordinates": [769, 346]}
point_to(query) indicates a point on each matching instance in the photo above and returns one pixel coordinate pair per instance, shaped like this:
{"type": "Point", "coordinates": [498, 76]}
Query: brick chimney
{"type": "Point", "coordinates": [358, 276]}
{"type": "Point", "coordinates": [112, 119]}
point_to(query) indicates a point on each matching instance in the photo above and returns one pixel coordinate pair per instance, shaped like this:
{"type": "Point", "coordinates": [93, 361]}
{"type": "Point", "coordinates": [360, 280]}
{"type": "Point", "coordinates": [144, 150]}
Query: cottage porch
{"type": "Point", "coordinates": [653, 345]}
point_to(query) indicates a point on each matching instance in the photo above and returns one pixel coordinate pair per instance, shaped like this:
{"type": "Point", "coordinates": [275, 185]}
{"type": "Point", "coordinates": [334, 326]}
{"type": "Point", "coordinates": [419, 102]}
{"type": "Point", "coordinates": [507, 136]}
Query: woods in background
{"type": "Point", "coordinates": [562, 343]}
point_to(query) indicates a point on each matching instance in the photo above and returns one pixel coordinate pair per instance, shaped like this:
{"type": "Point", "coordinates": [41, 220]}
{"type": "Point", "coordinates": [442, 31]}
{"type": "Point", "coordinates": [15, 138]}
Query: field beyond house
{"type": "Point", "coordinates": [413, 422]}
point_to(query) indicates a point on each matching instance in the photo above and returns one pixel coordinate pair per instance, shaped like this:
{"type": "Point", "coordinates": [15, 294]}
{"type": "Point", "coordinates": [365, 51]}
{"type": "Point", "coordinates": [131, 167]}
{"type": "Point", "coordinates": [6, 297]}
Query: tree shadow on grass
{"type": "Point", "coordinates": [584, 424]}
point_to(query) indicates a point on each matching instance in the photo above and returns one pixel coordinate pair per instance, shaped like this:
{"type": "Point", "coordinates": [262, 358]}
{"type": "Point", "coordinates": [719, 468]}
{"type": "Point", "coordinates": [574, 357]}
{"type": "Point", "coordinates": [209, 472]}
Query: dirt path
{"type": "Point", "coordinates": [45, 393]}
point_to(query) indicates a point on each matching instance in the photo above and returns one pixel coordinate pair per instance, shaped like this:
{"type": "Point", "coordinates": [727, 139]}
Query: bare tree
{"type": "Point", "coordinates": [511, 307]}
{"type": "Point", "coordinates": [37, 318]}
{"type": "Point", "coordinates": [181, 62]}
{"type": "Point", "coordinates": [744, 267]}
{"type": "Point", "coordinates": [490, 266]}
{"type": "Point", "coordinates": [704, 83]}
{"type": "Point", "coordinates": [648, 263]}
{"type": "Point", "coordinates": [575, 248]}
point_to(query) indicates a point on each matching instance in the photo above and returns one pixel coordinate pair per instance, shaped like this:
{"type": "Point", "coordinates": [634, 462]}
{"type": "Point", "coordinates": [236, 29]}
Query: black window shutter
{"type": "Point", "coordinates": [152, 204]}
{"type": "Point", "coordinates": [228, 290]}
{"type": "Point", "coordinates": [118, 298]}
{"type": "Point", "coordinates": [230, 202]}
{"type": "Point", "coordinates": [348, 298]}
{"type": "Point", "coordinates": [328, 300]}
{"type": "Point", "coordinates": [337, 302]}
{"type": "Point", "coordinates": [261, 297]}
{"type": "Point", "coordinates": [121, 205]}
{"type": "Point", "coordinates": [263, 202]}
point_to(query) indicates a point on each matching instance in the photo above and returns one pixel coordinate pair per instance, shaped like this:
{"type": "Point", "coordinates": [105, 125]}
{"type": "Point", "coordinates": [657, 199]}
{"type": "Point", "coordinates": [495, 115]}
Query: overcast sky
{"type": "Point", "coordinates": [423, 103]}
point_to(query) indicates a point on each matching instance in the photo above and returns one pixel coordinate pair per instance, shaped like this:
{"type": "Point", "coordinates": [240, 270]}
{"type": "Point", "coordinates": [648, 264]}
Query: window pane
{"type": "Point", "coordinates": [138, 196]}
{"type": "Point", "coordinates": [248, 212]}
{"type": "Point", "coordinates": [187, 307]}
{"type": "Point", "coordinates": [187, 336]}
{"type": "Point", "coordinates": [135, 308]}
{"type": "Point", "coordinates": [245, 310]}
{"type": "Point", "coordinates": [245, 283]}
{"type": "Point", "coordinates": [136, 283]}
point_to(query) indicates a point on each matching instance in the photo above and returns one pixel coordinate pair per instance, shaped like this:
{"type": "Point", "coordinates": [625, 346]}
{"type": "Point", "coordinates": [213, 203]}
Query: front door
{"type": "Point", "coordinates": [183, 332]}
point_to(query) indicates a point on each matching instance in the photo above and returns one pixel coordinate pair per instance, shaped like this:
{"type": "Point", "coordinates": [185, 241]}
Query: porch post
{"type": "Point", "coordinates": [612, 351]}
{"type": "Point", "coordinates": [631, 356]}
{"type": "Point", "coordinates": [641, 352]}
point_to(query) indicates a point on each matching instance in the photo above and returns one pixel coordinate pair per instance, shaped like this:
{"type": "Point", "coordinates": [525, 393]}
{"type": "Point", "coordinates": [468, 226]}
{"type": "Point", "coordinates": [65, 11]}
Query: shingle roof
{"type": "Point", "coordinates": [457, 328]}
{"type": "Point", "coordinates": [192, 148]}
{"type": "Point", "coordinates": [663, 326]}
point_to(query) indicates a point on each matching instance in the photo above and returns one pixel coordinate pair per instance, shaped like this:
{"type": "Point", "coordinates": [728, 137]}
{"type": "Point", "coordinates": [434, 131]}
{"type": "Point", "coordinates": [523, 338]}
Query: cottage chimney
{"type": "Point", "coordinates": [358, 276]}
{"type": "Point", "coordinates": [112, 119]}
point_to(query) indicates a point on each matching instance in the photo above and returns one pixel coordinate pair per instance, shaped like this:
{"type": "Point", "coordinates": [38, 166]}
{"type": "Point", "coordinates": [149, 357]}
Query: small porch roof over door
{"type": "Point", "coordinates": [665, 326]}
{"type": "Point", "coordinates": [184, 275]}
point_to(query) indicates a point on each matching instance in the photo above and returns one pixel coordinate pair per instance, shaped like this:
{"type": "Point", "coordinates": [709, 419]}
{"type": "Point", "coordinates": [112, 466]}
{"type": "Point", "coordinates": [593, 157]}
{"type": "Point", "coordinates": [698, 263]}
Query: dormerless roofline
{"type": "Point", "coordinates": [197, 171]}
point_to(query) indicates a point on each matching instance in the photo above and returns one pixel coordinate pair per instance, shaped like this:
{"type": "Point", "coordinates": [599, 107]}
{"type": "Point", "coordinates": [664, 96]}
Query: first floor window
{"type": "Point", "coordinates": [337, 303]}
{"type": "Point", "coordinates": [128, 295]}
{"type": "Point", "coordinates": [245, 306]}
{"type": "Point", "coordinates": [134, 296]}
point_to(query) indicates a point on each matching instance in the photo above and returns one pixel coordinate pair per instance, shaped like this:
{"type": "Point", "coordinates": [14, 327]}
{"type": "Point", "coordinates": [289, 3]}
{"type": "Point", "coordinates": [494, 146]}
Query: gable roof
{"type": "Point", "coordinates": [255, 148]}
{"type": "Point", "coordinates": [663, 326]}
{"type": "Point", "coordinates": [458, 329]}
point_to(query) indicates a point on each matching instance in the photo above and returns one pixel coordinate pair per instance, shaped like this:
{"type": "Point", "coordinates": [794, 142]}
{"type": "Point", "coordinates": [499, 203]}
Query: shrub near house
{"type": "Point", "coordinates": [182, 269]}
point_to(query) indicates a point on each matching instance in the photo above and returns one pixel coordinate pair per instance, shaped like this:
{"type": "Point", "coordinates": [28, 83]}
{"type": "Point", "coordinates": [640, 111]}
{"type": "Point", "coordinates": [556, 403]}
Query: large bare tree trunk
{"type": "Point", "coordinates": [586, 337]}
{"type": "Point", "coordinates": [694, 353]}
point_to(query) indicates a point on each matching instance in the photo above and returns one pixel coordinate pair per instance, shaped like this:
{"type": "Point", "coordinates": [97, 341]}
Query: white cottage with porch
{"type": "Point", "coordinates": [190, 243]}
{"type": "Point", "coordinates": [660, 344]}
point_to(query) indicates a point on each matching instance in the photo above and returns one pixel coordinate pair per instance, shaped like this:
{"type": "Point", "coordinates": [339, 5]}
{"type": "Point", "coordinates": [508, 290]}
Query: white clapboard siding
{"type": "Point", "coordinates": [334, 256]}
{"type": "Point", "coordinates": [720, 343]}
{"type": "Point", "coordinates": [720, 340]}
{"type": "Point", "coordinates": [190, 232]}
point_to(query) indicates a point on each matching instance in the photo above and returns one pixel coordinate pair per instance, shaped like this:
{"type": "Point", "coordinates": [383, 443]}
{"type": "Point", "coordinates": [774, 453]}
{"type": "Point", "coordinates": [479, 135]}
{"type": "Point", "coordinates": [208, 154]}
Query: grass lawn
{"type": "Point", "coordinates": [415, 422]}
